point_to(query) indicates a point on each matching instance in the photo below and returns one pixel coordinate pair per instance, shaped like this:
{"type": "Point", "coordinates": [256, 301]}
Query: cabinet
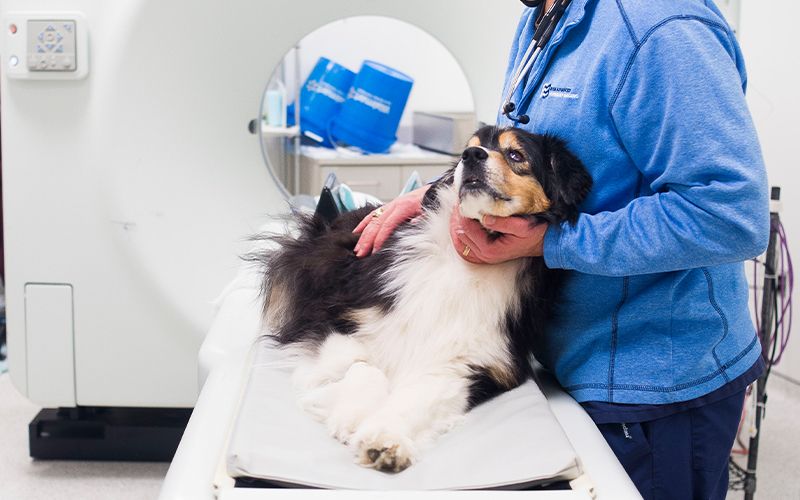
{"type": "Point", "coordinates": [382, 176]}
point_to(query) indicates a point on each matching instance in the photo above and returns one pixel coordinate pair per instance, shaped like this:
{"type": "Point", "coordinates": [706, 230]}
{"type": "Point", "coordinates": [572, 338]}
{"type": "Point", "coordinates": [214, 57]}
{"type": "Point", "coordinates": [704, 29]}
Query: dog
{"type": "Point", "coordinates": [393, 349]}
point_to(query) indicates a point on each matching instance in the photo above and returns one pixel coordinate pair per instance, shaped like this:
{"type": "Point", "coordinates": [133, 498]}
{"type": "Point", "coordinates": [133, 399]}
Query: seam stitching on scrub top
{"type": "Point", "coordinates": [614, 333]}
{"type": "Point", "coordinates": [713, 300]}
{"type": "Point", "coordinates": [646, 37]}
{"type": "Point", "coordinates": [674, 388]}
{"type": "Point", "coordinates": [627, 22]}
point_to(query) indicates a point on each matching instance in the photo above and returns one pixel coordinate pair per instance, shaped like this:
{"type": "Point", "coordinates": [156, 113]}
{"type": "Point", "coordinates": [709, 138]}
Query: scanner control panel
{"type": "Point", "coordinates": [44, 45]}
{"type": "Point", "coordinates": [51, 45]}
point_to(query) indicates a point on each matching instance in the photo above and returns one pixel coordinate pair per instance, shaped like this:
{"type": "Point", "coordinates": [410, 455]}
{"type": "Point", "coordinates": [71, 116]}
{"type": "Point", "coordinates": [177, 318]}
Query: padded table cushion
{"type": "Point", "coordinates": [510, 441]}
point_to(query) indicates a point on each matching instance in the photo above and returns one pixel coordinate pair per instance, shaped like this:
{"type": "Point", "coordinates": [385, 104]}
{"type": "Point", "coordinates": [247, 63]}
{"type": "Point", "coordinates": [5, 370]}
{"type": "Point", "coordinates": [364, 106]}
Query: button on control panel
{"type": "Point", "coordinates": [51, 45]}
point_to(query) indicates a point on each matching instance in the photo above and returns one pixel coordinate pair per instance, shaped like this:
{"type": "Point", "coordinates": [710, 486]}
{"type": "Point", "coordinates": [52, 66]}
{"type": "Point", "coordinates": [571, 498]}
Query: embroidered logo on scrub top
{"type": "Point", "coordinates": [561, 92]}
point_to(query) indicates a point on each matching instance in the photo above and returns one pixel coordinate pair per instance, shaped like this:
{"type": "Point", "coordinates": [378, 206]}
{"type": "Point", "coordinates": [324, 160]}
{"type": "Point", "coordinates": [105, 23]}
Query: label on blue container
{"type": "Point", "coordinates": [325, 89]}
{"type": "Point", "coordinates": [370, 100]}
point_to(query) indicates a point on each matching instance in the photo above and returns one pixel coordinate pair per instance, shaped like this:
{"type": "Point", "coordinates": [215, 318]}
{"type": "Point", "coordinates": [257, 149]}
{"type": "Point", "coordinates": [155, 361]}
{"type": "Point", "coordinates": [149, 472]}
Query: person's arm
{"type": "Point", "coordinates": [682, 117]}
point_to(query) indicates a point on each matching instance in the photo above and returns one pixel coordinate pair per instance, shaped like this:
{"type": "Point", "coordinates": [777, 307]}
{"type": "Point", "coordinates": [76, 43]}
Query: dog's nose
{"type": "Point", "coordinates": [474, 154]}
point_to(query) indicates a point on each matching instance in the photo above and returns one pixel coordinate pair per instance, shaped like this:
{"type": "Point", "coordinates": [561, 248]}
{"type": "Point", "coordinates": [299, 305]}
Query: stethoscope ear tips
{"type": "Point", "coordinates": [509, 108]}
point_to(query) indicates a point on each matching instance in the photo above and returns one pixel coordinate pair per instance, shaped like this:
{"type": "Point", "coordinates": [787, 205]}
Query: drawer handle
{"type": "Point", "coordinates": [361, 183]}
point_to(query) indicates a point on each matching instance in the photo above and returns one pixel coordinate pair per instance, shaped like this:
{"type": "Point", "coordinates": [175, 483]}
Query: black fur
{"type": "Point", "coordinates": [562, 175]}
{"type": "Point", "coordinates": [323, 276]}
{"type": "Point", "coordinates": [483, 387]}
{"type": "Point", "coordinates": [324, 281]}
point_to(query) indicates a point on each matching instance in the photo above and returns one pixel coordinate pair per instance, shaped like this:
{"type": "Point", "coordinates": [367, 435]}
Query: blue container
{"type": "Point", "coordinates": [321, 98]}
{"type": "Point", "coordinates": [369, 118]}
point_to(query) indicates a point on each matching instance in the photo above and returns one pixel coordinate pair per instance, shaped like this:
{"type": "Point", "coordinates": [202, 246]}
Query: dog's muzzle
{"type": "Point", "coordinates": [473, 162]}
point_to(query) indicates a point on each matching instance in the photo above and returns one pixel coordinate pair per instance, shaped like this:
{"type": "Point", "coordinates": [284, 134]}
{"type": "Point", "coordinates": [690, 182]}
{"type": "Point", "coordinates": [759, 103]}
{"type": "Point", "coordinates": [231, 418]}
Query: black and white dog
{"type": "Point", "coordinates": [393, 349]}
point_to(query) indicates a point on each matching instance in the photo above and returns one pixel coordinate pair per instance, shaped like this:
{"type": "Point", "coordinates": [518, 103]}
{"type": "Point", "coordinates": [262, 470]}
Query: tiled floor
{"type": "Point", "coordinates": [24, 479]}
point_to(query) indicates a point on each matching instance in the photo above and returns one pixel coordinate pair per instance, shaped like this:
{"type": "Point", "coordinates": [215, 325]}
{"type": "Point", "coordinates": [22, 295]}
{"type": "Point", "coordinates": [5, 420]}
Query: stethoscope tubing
{"type": "Point", "coordinates": [540, 38]}
{"type": "Point", "coordinates": [523, 70]}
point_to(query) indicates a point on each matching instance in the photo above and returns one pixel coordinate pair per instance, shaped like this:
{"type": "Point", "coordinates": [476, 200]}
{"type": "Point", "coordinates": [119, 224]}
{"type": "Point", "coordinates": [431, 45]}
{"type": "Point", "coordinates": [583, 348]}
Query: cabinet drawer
{"type": "Point", "coordinates": [427, 173]}
{"type": "Point", "coordinates": [380, 181]}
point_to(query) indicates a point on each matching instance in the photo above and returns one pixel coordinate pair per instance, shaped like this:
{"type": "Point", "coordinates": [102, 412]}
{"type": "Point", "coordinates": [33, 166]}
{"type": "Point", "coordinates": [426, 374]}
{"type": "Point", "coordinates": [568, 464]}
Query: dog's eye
{"type": "Point", "coordinates": [515, 156]}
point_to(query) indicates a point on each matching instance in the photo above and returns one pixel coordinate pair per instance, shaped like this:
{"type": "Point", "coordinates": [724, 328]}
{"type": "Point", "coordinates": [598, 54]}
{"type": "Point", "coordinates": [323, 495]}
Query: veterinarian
{"type": "Point", "coordinates": [653, 335]}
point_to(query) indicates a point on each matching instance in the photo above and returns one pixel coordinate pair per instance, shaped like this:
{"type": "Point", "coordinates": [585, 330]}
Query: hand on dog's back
{"type": "Point", "coordinates": [375, 231]}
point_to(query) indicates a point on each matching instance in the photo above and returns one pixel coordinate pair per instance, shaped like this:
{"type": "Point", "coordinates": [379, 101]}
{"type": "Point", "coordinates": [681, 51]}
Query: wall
{"type": "Point", "coordinates": [768, 38]}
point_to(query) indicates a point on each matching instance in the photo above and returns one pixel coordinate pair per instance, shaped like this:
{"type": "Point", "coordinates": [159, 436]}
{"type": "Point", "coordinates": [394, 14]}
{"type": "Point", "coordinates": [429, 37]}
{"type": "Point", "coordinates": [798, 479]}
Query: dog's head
{"type": "Point", "coordinates": [508, 171]}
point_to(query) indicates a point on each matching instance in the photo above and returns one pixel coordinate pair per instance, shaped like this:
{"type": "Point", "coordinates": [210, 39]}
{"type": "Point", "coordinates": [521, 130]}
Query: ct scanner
{"type": "Point", "coordinates": [131, 182]}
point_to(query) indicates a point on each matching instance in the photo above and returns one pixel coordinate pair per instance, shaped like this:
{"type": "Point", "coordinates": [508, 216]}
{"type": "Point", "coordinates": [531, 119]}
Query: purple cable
{"type": "Point", "coordinates": [784, 323]}
{"type": "Point", "coordinates": [755, 297]}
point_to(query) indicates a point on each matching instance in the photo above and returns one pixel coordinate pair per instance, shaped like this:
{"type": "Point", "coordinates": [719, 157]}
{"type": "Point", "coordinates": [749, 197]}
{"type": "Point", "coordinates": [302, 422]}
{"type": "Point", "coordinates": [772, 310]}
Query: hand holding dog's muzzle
{"type": "Point", "coordinates": [518, 238]}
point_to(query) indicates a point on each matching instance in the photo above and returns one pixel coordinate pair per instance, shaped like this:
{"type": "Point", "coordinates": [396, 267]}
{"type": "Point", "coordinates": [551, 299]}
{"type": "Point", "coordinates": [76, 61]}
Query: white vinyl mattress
{"type": "Point", "coordinates": [511, 441]}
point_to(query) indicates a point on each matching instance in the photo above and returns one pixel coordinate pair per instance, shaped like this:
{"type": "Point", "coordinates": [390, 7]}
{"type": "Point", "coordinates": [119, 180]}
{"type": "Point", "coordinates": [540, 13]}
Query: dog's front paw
{"type": "Point", "coordinates": [363, 389]}
{"type": "Point", "coordinates": [342, 424]}
{"type": "Point", "coordinates": [386, 457]}
{"type": "Point", "coordinates": [383, 449]}
{"type": "Point", "coordinates": [319, 402]}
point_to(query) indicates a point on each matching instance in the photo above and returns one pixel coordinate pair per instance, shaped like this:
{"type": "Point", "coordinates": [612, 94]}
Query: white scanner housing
{"type": "Point", "coordinates": [131, 181]}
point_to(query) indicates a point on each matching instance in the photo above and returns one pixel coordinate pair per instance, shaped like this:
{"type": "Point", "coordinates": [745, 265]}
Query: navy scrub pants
{"type": "Point", "coordinates": [681, 456]}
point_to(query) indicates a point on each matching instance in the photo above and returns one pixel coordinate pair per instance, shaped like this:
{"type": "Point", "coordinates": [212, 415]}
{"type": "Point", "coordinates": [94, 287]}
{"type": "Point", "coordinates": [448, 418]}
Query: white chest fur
{"type": "Point", "coordinates": [448, 311]}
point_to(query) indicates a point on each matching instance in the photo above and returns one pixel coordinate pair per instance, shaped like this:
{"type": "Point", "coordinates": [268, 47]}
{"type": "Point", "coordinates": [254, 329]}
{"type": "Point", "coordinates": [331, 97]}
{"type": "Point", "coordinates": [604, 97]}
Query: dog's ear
{"type": "Point", "coordinates": [572, 181]}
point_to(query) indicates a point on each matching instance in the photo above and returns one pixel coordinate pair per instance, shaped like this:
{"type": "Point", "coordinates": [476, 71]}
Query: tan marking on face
{"type": "Point", "coordinates": [532, 197]}
{"type": "Point", "coordinates": [525, 188]}
{"type": "Point", "coordinates": [508, 140]}
{"type": "Point", "coordinates": [474, 142]}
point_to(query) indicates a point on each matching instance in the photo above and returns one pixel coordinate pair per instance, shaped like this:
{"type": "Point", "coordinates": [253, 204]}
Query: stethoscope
{"type": "Point", "coordinates": [541, 36]}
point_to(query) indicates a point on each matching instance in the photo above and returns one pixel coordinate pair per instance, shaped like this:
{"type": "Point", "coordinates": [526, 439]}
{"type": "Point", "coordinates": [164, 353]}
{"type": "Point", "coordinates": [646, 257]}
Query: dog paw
{"type": "Point", "coordinates": [385, 452]}
{"type": "Point", "coordinates": [319, 402]}
{"type": "Point", "coordinates": [387, 459]}
{"type": "Point", "coordinates": [363, 389]}
{"type": "Point", "coordinates": [341, 425]}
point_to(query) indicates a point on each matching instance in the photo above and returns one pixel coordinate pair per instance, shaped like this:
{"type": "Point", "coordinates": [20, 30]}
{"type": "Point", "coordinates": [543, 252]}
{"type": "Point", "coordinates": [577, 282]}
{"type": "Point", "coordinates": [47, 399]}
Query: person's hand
{"type": "Point", "coordinates": [519, 238]}
{"type": "Point", "coordinates": [376, 230]}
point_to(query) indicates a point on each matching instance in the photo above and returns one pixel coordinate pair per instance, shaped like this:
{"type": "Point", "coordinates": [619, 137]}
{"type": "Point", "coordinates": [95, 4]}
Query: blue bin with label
{"type": "Point", "coordinates": [321, 98]}
{"type": "Point", "coordinates": [369, 118]}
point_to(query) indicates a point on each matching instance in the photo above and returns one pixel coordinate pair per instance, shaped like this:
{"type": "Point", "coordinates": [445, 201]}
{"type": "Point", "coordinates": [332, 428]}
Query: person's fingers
{"type": "Point", "coordinates": [385, 225]}
{"type": "Point", "coordinates": [463, 244]}
{"type": "Point", "coordinates": [468, 249]}
{"type": "Point", "coordinates": [367, 240]}
{"type": "Point", "coordinates": [459, 221]}
{"type": "Point", "coordinates": [518, 226]}
{"type": "Point", "coordinates": [366, 243]}
{"type": "Point", "coordinates": [386, 229]}
{"type": "Point", "coordinates": [363, 224]}
{"type": "Point", "coordinates": [510, 246]}
{"type": "Point", "coordinates": [366, 220]}
{"type": "Point", "coordinates": [376, 230]}
{"type": "Point", "coordinates": [400, 212]}
{"type": "Point", "coordinates": [487, 248]}
{"type": "Point", "coordinates": [475, 231]}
